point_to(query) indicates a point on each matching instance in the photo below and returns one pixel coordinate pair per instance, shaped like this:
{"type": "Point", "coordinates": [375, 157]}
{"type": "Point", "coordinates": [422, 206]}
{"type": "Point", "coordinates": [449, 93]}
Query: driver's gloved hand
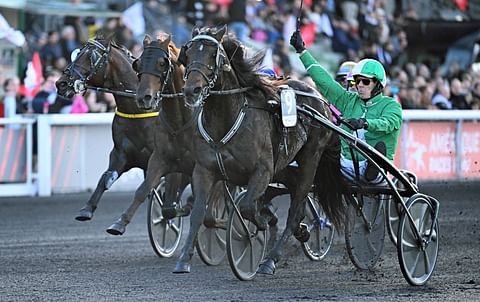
{"type": "Point", "coordinates": [357, 123]}
{"type": "Point", "coordinates": [296, 41]}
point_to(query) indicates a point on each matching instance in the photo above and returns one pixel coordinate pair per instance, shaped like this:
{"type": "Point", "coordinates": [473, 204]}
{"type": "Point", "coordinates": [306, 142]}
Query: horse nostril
{"type": "Point", "coordinates": [197, 90]}
{"type": "Point", "coordinates": [147, 98]}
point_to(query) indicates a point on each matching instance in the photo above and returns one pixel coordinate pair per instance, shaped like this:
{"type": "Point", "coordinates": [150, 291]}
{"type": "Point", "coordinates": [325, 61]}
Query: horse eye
{"type": "Point", "coordinates": [74, 54]}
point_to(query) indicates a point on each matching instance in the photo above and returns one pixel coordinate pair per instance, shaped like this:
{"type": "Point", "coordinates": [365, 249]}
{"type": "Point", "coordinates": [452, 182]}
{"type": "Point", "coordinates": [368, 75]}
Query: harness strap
{"type": "Point", "coordinates": [136, 115]}
{"type": "Point", "coordinates": [171, 130]}
{"type": "Point", "coordinates": [216, 146]}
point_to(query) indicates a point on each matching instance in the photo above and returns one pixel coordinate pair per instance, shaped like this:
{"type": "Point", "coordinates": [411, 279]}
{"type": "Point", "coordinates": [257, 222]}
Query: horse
{"type": "Point", "coordinates": [103, 65]}
{"type": "Point", "coordinates": [171, 136]}
{"type": "Point", "coordinates": [240, 139]}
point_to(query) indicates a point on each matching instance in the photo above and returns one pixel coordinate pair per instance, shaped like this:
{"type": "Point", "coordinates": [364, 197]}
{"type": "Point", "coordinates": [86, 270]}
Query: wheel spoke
{"type": "Point", "coordinates": [414, 264]}
{"type": "Point", "coordinates": [427, 262]}
{"type": "Point", "coordinates": [175, 228]}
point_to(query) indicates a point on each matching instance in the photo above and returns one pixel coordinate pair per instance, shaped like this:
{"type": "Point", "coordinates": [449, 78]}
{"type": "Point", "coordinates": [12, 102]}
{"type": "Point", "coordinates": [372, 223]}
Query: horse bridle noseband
{"type": "Point", "coordinates": [97, 61]}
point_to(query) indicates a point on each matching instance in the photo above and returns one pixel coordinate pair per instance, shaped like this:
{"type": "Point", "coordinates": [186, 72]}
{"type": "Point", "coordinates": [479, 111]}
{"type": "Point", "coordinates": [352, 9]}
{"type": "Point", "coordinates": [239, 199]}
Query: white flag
{"type": "Point", "coordinates": [133, 19]}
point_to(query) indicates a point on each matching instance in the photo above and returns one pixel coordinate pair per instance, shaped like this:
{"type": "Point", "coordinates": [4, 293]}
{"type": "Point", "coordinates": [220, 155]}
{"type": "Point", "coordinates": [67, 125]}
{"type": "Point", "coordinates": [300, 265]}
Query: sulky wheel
{"type": "Point", "coordinates": [246, 244]}
{"type": "Point", "coordinates": [394, 209]}
{"type": "Point", "coordinates": [164, 233]}
{"type": "Point", "coordinates": [417, 255]}
{"type": "Point", "coordinates": [365, 231]}
{"type": "Point", "coordinates": [211, 239]}
{"type": "Point", "coordinates": [321, 231]}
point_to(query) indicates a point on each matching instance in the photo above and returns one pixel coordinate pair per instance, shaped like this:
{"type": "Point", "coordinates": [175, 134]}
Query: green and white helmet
{"type": "Point", "coordinates": [370, 68]}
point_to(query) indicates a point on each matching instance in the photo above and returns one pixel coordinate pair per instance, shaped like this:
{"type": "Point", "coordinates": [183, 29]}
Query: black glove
{"type": "Point", "coordinates": [357, 123]}
{"type": "Point", "coordinates": [297, 42]}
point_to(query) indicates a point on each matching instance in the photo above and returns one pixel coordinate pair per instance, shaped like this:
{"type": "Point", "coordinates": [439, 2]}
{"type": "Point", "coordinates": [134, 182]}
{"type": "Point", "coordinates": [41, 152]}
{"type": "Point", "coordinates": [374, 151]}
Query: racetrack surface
{"type": "Point", "coordinates": [46, 255]}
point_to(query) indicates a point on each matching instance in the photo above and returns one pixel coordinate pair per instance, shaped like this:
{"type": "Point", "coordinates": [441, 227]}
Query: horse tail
{"type": "Point", "coordinates": [329, 184]}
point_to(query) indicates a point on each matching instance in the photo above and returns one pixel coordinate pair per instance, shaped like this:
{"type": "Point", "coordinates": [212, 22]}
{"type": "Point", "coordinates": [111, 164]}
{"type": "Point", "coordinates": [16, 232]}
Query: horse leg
{"type": "Point", "coordinates": [202, 182]}
{"type": "Point", "coordinates": [155, 171]}
{"type": "Point", "coordinates": [257, 185]}
{"type": "Point", "coordinates": [173, 189]}
{"type": "Point", "coordinates": [187, 208]}
{"type": "Point", "coordinates": [296, 213]}
{"type": "Point", "coordinates": [115, 170]}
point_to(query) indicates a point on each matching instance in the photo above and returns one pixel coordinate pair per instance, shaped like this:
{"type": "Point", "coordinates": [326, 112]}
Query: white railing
{"type": "Point", "coordinates": [16, 147]}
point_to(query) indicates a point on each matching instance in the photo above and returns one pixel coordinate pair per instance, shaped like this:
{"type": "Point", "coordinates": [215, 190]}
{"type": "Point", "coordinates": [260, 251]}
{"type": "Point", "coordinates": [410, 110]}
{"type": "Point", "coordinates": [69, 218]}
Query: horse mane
{"type": "Point", "coordinates": [124, 50]}
{"type": "Point", "coordinates": [247, 68]}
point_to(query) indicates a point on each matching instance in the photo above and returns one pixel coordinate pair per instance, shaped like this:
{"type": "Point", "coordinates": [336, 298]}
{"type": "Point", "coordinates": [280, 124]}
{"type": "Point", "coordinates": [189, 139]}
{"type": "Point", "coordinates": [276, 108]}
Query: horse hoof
{"type": "Point", "coordinates": [185, 211]}
{"type": "Point", "coordinates": [169, 213]}
{"type": "Point", "coordinates": [251, 215]}
{"type": "Point", "coordinates": [182, 268]}
{"type": "Point", "coordinates": [84, 215]}
{"type": "Point", "coordinates": [301, 233]}
{"type": "Point", "coordinates": [116, 229]}
{"type": "Point", "coordinates": [267, 267]}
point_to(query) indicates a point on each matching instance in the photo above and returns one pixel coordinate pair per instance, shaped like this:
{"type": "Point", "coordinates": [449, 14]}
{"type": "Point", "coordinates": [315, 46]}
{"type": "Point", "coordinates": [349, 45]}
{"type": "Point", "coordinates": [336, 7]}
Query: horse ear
{"type": "Point", "coordinates": [195, 31]}
{"type": "Point", "coordinates": [147, 40]}
{"type": "Point", "coordinates": [221, 32]}
{"type": "Point", "coordinates": [109, 37]}
{"type": "Point", "coordinates": [100, 35]}
{"type": "Point", "coordinates": [136, 65]}
{"type": "Point", "coordinates": [182, 56]}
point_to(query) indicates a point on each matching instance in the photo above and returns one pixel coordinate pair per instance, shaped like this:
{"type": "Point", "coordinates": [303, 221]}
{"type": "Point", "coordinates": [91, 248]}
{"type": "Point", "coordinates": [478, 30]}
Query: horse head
{"type": "Point", "coordinates": [91, 64]}
{"type": "Point", "coordinates": [155, 70]}
{"type": "Point", "coordinates": [204, 59]}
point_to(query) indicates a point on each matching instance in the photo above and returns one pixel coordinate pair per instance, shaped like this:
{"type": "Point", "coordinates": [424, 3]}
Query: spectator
{"type": "Point", "coordinates": [458, 96]}
{"type": "Point", "coordinates": [441, 98]}
{"type": "Point", "coordinates": [68, 42]}
{"type": "Point", "coordinates": [47, 100]}
{"type": "Point", "coordinates": [475, 102]}
{"type": "Point", "coordinates": [51, 51]}
{"type": "Point", "coordinates": [12, 105]}
{"type": "Point", "coordinates": [237, 12]}
{"type": "Point", "coordinates": [323, 22]}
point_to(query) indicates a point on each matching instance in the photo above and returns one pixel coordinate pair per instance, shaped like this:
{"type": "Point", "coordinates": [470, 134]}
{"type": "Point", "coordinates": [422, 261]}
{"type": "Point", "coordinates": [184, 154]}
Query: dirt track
{"type": "Point", "coordinates": [45, 255]}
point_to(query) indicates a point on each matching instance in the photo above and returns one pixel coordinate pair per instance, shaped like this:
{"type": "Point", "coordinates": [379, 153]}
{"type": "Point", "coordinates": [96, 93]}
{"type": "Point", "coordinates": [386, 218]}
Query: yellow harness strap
{"type": "Point", "coordinates": [136, 115]}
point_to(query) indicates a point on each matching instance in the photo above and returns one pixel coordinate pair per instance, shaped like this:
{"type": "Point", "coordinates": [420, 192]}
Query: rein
{"type": "Point", "coordinates": [212, 92]}
{"type": "Point", "coordinates": [127, 93]}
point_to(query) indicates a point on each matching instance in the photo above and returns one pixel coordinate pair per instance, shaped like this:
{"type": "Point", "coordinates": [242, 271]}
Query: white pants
{"type": "Point", "coordinates": [348, 170]}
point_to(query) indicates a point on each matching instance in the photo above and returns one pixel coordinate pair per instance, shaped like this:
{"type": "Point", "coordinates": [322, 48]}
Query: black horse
{"type": "Point", "coordinates": [102, 64]}
{"type": "Point", "coordinates": [241, 139]}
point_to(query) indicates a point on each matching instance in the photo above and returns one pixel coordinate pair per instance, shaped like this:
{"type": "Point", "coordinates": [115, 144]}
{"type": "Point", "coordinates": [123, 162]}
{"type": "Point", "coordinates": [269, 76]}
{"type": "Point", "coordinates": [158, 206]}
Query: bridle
{"type": "Point", "coordinates": [220, 58]}
{"type": "Point", "coordinates": [149, 55]}
{"type": "Point", "coordinates": [98, 59]}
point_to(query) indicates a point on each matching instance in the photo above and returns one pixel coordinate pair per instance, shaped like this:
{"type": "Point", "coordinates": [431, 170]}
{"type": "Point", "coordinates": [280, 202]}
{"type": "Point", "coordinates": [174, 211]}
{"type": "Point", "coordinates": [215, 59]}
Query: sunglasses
{"type": "Point", "coordinates": [365, 82]}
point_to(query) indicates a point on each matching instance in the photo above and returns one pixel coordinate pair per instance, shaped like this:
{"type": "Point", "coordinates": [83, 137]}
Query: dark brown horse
{"type": "Point", "coordinates": [102, 64]}
{"type": "Point", "coordinates": [172, 129]}
{"type": "Point", "coordinates": [240, 138]}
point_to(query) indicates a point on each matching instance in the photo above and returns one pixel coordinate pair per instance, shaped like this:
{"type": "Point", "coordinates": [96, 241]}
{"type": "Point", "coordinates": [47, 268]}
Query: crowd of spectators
{"type": "Point", "coordinates": [350, 29]}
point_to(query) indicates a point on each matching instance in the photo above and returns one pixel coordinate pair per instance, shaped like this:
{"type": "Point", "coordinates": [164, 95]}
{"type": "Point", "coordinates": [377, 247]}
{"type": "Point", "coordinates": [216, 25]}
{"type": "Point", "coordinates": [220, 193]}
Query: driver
{"type": "Point", "coordinates": [344, 75]}
{"type": "Point", "coordinates": [375, 118]}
